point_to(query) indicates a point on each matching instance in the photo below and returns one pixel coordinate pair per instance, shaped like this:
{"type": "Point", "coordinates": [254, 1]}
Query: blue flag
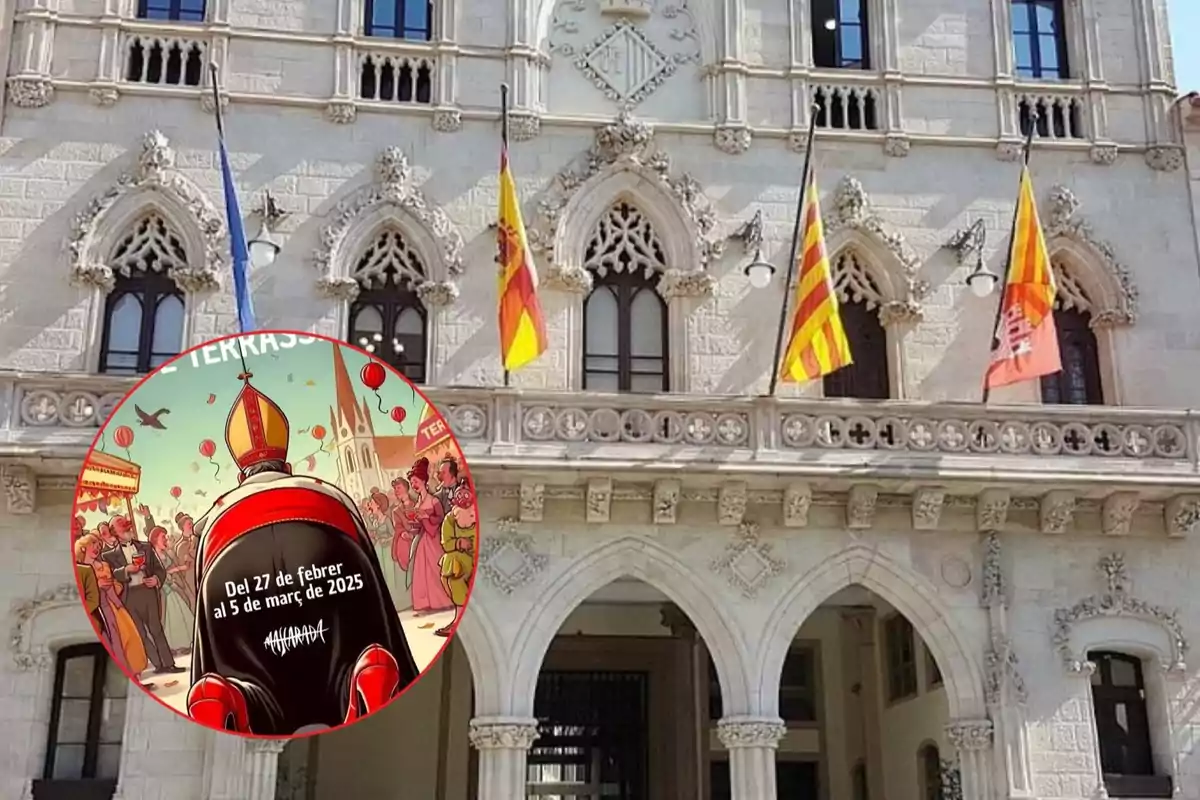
{"type": "Point", "coordinates": [237, 242]}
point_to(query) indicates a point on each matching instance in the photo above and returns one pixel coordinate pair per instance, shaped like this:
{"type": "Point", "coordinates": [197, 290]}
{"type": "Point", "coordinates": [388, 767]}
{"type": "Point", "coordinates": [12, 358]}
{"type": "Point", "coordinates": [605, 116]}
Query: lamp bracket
{"type": "Point", "coordinates": [751, 235]}
{"type": "Point", "coordinates": [269, 211]}
{"type": "Point", "coordinates": [968, 243]}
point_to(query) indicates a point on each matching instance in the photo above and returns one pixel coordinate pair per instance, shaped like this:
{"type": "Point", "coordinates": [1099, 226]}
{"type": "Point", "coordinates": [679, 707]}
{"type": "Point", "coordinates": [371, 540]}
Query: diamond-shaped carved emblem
{"type": "Point", "coordinates": [624, 64]}
{"type": "Point", "coordinates": [508, 559]}
{"type": "Point", "coordinates": [748, 563]}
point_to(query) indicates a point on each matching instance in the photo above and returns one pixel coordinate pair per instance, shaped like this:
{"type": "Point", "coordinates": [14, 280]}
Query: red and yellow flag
{"type": "Point", "coordinates": [1026, 344]}
{"type": "Point", "coordinates": [817, 344]}
{"type": "Point", "coordinates": [522, 328]}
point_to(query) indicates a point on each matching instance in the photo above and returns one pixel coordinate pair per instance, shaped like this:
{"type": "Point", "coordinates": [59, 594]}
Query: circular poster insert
{"type": "Point", "coordinates": [274, 534]}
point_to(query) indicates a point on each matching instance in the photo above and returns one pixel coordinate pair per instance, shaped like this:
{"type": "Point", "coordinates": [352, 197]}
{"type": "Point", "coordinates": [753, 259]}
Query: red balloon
{"type": "Point", "coordinates": [372, 375]}
{"type": "Point", "coordinates": [123, 435]}
{"type": "Point", "coordinates": [207, 448]}
{"type": "Point", "coordinates": [176, 491]}
{"type": "Point", "coordinates": [318, 432]}
{"type": "Point", "coordinates": [398, 414]}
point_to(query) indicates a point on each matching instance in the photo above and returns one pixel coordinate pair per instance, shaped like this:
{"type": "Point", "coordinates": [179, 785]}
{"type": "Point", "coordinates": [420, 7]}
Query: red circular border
{"type": "Point", "coordinates": [337, 343]}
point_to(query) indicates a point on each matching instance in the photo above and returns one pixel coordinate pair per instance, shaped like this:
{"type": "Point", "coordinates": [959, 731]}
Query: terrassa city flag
{"type": "Point", "coordinates": [1026, 344]}
{"type": "Point", "coordinates": [817, 344]}
{"type": "Point", "coordinates": [522, 327]}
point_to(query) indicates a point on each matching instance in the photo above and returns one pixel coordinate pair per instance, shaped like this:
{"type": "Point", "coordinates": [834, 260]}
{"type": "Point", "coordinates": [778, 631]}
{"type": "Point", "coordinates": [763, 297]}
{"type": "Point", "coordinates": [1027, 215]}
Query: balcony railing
{"type": "Point", "coordinates": [58, 415]}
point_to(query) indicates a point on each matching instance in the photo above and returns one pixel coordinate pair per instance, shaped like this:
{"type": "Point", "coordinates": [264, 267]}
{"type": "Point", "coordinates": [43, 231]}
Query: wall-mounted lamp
{"type": "Point", "coordinates": [759, 271]}
{"type": "Point", "coordinates": [968, 244]}
{"type": "Point", "coordinates": [264, 246]}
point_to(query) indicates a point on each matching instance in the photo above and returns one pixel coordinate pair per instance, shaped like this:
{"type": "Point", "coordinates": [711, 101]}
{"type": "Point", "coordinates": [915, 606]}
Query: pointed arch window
{"type": "Point", "coordinates": [388, 318]}
{"type": "Point", "coordinates": [1079, 381]}
{"type": "Point", "coordinates": [860, 298]}
{"type": "Point", "coordinates": [145, 311]}
{"type": "Point", "coordinates": [625, 326]}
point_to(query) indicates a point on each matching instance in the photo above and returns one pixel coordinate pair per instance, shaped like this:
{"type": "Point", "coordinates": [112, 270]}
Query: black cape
{"type": "Point", "coordinates": [308, 684]}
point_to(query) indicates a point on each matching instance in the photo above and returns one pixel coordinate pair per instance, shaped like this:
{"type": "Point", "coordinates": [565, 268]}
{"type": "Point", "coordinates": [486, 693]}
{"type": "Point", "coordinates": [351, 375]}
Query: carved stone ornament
{"type": "Point", "coordinates": [104, 95]}
{"type": "Point", "coordinates": [731, 503]}
{"type": "Point", "coordinates": [393, 188]}
{"type": "Point", "coordinates": [628, 61]}
{"type": "Point", "coordinates": [852, 210]}
{"type": "Point", "coordinates": [860, 506]}
{"type": "Point", "coordinates": [341, 112]}
{"type": "Point", "coordinates": [686, 283]}
{"type": "Point", "coordinates": [666, 501]}
{"type": "Point", "coordinates": [750, 732]}
{"type": "Point", "coordinates": [991, 509]}
{"type": "Point", "coordinates": [574, 279]}
{"type": "Point", "coordinates": [1103, 153]}
{"type": "Point", "coordinates": [19, 646]}
{"type": "Point", "coordinates": [1002, 681]}
{"type": "Point", "coordinates": [1116, 307]}
{"type": "Point", "coordinates": [994, 591]}
{"type": "Point", "coordinates": [797, 499]}
{"type": "Point", "coordinates": [155, 172]}
{"type": "Point", "coordinates": [972, 734]}
{"type": "Point", "coordinates": [1056, 511]}
{"type": "Point", "coordinates": [1182, 515]}
{"type": "Point", "coordinates": [627, 143]}
{"type": "Point", "coordinates": [447, 120]}
{"type": "Point", "coordinates": [507, 557]}
{"type": "Point", "coordinates": [30, 91]}
{"type": "Point", "coordinates": [1010, 151]}
{"type": "Point", "coordinates": [1117, 513]}
{"type": "Point", "coordinates": [897, 145]}
{"type": "Point", "coordinates": [927, 506]}
{"type": "Point", "coordinates": [20, 487]}
{"type": "Point", "coordinates": [524, 126]}
{"type": "Point", "coordinates": [1165, 157]}
{"type": "Point", "coordinates": [533, 501]}
{"type": "Point", "coordinates": [732, 139]}
{"type": "Point", "coordinates": [599, 499]}
{"type": "Point", "coordinates": [748, 562]}
{"type": "Point", "coordinates": [1116, 601]}
{"type": "Point", "coordinates": [502, 735]}
{"type": "Point", "coordinates": [271, 747]}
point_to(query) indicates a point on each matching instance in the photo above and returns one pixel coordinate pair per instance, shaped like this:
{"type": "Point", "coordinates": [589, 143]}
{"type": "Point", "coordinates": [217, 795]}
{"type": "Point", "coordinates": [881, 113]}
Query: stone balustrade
{"type": "Point", "coordinates": [1117, 458]}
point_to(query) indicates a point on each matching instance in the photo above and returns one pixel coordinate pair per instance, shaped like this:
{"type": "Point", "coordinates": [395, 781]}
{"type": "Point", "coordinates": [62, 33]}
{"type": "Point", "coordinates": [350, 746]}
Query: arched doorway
{"type": "Point", "coordinates": [624, 701]}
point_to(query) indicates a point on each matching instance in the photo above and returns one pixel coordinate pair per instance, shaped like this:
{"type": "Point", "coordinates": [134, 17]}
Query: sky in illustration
{"type": "Point", "coordinates": [199, 390]}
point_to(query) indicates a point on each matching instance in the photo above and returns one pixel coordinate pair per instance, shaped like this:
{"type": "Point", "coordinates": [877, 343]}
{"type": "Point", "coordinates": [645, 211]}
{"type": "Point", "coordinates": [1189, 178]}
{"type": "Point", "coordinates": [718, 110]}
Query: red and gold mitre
{"type": "Point", "coordinates": [256, 430]}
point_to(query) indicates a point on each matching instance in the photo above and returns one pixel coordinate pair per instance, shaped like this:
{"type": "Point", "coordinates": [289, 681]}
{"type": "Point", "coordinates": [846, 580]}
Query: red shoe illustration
{"type": "Point", "coordinates": [375, 681]}
{"type": "Point", "coordinates": [217, 703]}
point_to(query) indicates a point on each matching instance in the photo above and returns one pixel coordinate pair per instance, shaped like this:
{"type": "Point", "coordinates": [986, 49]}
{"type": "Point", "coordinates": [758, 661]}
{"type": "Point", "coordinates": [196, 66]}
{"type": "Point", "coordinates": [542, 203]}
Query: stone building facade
{"type": "Point", "coordinates": [872, 586]}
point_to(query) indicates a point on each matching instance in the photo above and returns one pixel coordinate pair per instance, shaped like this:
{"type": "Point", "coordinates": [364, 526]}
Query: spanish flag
{"type": "Point", "coordinates": [1026, 342]}
{"type": "Point", "coordinates": [522, 328]}
{"type": "Point", "coordinates": [817, 345]}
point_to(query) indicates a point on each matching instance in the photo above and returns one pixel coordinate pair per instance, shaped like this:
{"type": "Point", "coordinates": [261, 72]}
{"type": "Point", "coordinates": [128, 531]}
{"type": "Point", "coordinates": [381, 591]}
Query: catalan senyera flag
{"type": "Point", "coordinates": [817, 344]}
{"type": "Point", "coordinates": [522, 327]}
{"type": "Point", "coordinates": [1026, 343]}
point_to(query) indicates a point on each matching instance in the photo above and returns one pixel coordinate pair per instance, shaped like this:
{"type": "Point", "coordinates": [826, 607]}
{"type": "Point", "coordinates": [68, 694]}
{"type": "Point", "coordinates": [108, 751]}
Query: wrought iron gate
{"type": "Point", "coordinates": [593, 741]}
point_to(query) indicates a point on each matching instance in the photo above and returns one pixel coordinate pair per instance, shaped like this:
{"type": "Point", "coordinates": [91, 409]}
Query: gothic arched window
{"type": "Point", "coordinates": [144, 313]}
{"type": "Point", "coordinates": [929, 762]}
{"type": "Point", "coordinates": [624, 317]}
{"type": "Point", "coordinates": [366, 457]}
{"type": "Point", "coordinates": [1079, 381]}
{"type": "Point", "coordinates": [859, 300]}
{"type": "Point", "coordinates": [350, 467]}
{"type": "Point", "coordinates": [387, 318]}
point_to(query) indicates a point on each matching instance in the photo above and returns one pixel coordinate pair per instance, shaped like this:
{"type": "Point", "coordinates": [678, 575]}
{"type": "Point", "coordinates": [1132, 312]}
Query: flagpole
{"type": "Point", "coordinates": [794, 253]}
{"type": "Point", "coordinates": [214, 75]}
{"type": "Point", "coordinates": [1012, 234]}
{"type": "Point", "coordinates": [504, 144]}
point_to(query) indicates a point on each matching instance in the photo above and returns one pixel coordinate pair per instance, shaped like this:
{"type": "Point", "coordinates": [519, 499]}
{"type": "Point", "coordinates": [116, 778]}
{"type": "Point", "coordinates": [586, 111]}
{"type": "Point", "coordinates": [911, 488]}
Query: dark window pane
{"type": "Point", "coordinates": [388, 319]}
{"type": "Point", "coordinates": [1079, 381]}
{"type": "Point", "coordinates": [173, 10]}
{"type": "Point", "coordinates": [1039, 41]}
{"type": "Point", "coordinates": [1122, 723]}
{"type": "Point", "coordinates": [867, 378]}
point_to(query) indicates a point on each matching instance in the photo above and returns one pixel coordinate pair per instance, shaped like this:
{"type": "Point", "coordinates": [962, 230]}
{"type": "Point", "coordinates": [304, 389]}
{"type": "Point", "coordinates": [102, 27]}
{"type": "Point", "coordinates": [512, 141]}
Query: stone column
{"type": "Point", "coordinates": [972, 738]}
{"type": "Point", "coordinates": [503, 743]}
{"type": "Point", "coordinates": [751, 742]}
{"type": "Point", "coordinates": [262, 761]}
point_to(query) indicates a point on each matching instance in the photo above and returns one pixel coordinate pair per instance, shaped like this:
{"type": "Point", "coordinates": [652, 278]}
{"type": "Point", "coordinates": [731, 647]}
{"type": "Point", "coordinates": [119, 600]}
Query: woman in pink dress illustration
{"type": "Point", "coordinates": [417, 547]}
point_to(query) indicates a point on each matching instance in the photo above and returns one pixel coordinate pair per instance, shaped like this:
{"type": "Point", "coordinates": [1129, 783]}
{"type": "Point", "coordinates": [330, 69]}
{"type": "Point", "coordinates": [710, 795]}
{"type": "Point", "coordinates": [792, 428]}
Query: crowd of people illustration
{"type": "Point", "coordinates": [425, 529]}
{"type": "Point", "coordinates": [139, 591]}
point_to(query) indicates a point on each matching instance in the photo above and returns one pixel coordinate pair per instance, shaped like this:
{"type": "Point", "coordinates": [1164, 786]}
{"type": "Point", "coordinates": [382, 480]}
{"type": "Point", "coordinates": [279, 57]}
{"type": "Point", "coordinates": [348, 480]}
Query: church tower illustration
{"type": "Point", "coordinates": [366, 461]}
